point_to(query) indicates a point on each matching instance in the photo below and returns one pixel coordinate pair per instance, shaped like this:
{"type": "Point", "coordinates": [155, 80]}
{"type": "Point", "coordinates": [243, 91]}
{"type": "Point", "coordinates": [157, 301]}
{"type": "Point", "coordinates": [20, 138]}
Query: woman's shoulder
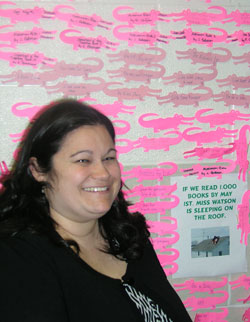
{"type": "Point", "coordinates": [25, 249]}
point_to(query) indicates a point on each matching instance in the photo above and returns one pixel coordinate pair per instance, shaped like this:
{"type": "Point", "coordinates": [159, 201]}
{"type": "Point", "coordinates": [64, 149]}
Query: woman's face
{"type": "Point", "coordinates": [85, 176]}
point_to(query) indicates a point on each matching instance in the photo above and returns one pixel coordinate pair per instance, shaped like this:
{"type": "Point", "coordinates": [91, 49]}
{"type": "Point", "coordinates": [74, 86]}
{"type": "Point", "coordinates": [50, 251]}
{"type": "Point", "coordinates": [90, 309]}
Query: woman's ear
{"type": "Point", "coordinates": [36, 170]}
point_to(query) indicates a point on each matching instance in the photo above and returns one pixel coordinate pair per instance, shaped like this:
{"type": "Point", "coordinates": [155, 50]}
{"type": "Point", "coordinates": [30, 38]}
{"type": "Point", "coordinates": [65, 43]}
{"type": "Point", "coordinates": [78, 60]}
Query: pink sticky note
{"type": "Point", "coordinates": [139, 58]}
{"type": "Point", "coordinates": [197, 303]}
{"type": "Point", "coordinates": [158, 123]}
{"type": "Point", "coordinates": [201, 286]}
{"type": "Point", "coordinates": [75, 19]}
{"type": "Point", "coordinates": [208, 58]}
{"type": "Point", "coordinates": [164, 169]}
{"type": "Point", "coordinates": [88, 43]}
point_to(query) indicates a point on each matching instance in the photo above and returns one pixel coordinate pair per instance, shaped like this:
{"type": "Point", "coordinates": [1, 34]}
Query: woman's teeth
{"type": "Point", "coordinates": [96, 189]}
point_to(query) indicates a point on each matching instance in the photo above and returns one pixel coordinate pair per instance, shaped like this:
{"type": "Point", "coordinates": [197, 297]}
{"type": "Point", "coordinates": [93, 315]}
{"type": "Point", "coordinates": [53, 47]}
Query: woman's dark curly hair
{"type": "Point", "coordinates": [23, 206]}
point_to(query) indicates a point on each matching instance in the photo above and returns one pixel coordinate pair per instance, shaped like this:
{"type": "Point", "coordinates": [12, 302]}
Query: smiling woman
{"type": "Point", "coordinates": [69, 248]}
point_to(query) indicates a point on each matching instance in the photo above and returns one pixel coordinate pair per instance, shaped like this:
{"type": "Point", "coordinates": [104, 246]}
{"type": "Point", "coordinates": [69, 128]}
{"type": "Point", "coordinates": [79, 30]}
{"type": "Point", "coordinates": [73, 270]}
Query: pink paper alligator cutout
{"type": "Point", "coordinates": [139, 38]}
{"type": "Point", "coordinates": [29, 112]}
{"type": "Point", "coordinates": [168, 260]}
{"type": "Point", "coordinates": [77, 89]}
{"type": "Point", "coordinates": [198, 303]}
{"type": "Point", "coordinates": [150, 173]}
{"type": "Point", "coordinates": [242, 281]}
{"type": "Point", "coordinates": [161, 243]}
{"type": "Point", "coordinates": [150, 191]}
{"type": "Point", "coordinates": [191, 79]}
{"type": "Point", "coordinates": [246, 316]}
{"type": "Point", "coordinates": [138, 18]}
{"type": "Point", "coordinates": [155, 207]}
{"type": "Point", "coordinates": [220, 118]}
{"type": "Point", "coordinates": [53, 73]}
{"type": "Point", "coordinates": [77, 20]}
{"type": "Point", "coordinates": [201, 286]}
{"type": "Point", "coordinates": [242, 145]}
{"type": "Point", "coordinates": [138, 58]}
{"type": "Point", "coordinates": [242, 37]}
{"type": "Point", "coordinates": [114, 109]}
{"type": "Point", "coordinates": [138, 75]}
{"type": "Point", "coordinates": [162, 227]}
{"type": "Point", "coordinates": [210, 153]}
{"type": "Point", "coordinates": [15, 38]}
{"type": "Point", "coordinates": [24, 15]}
{"type": "Point", "coordinates": [159, 123]}
{"type": "Point", "coordinates": [162, 143]}
{"type": "Point", "coordinates": [120, 130]}
{"type": "Point", "coordinates": [207, 58]}
{"type": "Point", "coordinates": [179, 99]}
{"type": "Point", "coordinates": [243, 217]}
{"type": "Point", "coordinates": [4, 171]}
{"type": "Point", "coordinates": [245, 58]}
{"type": "Point", "coordinates": [134, 93]}
{"type": "Point", "coordinates": [212, 316]}
{"type": "Point", "coordinates": [234, 81]}
{"type": "Point", "coordinates": [26, 59]}
{"type": "Point", "coordinates": [241, 18]}
{"type": "Point", "coordinates": [204, 171]}
{"type": "Point", "coordinates": [200, 18]}
{"type": "Point", "coordinates": [232, 99]}
{"type": "Point", "coordinates": [89, 43]}
{"type": "Point", "coordinates": [208, 137]}
{"type": "Point", "coordinates": [201, 38]}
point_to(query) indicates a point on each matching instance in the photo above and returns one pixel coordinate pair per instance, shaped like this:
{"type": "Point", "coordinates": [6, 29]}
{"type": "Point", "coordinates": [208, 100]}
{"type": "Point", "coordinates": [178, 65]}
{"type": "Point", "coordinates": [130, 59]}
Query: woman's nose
{"type": "Point", "coordinates": [99, 171]}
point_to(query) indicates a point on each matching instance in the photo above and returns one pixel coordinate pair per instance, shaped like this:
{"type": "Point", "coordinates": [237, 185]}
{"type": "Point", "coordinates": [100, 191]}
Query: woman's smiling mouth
{"type": "Point", "coordinates": [96, 189]}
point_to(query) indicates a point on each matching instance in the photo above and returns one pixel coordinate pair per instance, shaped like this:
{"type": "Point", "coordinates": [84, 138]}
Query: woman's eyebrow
{"type": "Point", "coordinates": [81, 151]}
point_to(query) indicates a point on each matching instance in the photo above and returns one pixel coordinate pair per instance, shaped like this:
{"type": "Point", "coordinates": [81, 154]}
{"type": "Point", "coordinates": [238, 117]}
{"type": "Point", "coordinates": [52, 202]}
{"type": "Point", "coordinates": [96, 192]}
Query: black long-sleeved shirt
{"type": "Point", "coordinates": [42, 282]}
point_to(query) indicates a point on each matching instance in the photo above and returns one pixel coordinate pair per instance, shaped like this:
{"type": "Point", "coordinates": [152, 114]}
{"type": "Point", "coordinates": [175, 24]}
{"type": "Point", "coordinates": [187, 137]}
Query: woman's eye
{"type": "Point", "coordinates": [110, 158]}
{"type": "Point", "coordinates": [83, 161]}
